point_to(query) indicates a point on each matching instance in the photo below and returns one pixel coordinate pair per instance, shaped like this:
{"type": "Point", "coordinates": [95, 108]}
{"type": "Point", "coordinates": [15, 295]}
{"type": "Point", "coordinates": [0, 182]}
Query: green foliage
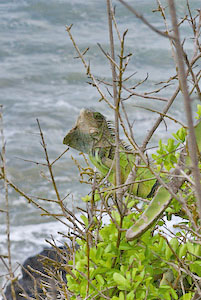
{"type": "Point", "coordinates": [167, 154]}
{"type": "Point", "coordinates": [130, 269]}
{"type": "Point", "coordinates": [150, 267]}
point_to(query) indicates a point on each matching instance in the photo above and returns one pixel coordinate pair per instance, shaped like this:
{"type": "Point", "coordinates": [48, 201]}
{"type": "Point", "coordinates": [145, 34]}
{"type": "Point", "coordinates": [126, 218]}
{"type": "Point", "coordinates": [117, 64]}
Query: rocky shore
{"type": "Point", "coordinates": [37, 269]}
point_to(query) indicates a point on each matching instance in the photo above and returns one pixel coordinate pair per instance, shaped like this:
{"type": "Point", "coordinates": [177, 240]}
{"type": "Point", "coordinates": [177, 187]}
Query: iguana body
{"type": "Point", "coordinates": [93, 135]}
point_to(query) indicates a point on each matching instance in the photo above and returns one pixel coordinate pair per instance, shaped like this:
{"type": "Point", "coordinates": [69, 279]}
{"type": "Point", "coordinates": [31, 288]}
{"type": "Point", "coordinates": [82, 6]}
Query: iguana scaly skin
{"type": "Point", "coordinates": [93, 135]}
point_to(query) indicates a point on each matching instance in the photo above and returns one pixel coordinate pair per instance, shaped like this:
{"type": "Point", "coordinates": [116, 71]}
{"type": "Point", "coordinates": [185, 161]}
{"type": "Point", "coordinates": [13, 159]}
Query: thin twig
{"type": "Point", "coordinates": [139, 16]}
{"type": "Point", "coordinates": [68, 29]}
{"type": "Point", "coordinates": [162, 114]}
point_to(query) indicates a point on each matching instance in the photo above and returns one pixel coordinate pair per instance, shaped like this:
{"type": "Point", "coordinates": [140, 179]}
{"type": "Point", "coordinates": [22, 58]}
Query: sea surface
{"type": "Point", "coordinates": [41, 78]}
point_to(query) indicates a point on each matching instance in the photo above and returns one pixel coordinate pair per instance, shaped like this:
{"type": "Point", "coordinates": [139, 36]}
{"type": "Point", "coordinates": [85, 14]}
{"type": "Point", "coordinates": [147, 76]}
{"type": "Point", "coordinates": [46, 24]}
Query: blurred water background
{"type": "Point", "coordinates": [40, 78]}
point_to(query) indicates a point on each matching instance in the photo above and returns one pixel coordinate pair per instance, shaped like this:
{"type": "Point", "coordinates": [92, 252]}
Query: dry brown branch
{"type": "Point", "coordinates": [160, 113]}
{"type": "Point", "coordinates": [196, 56]}
{"type": "Point", "coordinates": [103, 97]}
{"type": "Point", "coordinates": [30, 200]}
{"type": "Point", "coordinates": [185, 267]}
{"type": "Point", "coordinates": [117, 99]}
{"type": "Point", "coordinates": [194, 77]}
{"type": "Point", "coordinates": [167, 107]}
{"type": "Point", "coordinates": [65, 212]}
{"type": "Point", "coordinates": [187, 104]}
{"type": "Point", "coordinates": [145, 96]}
{"type": "Point", "coordinates": [164, 34]}
{"type": "Point", "coordinates": [7, 211]}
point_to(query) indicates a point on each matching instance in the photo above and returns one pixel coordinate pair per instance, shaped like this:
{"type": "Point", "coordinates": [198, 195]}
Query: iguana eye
{"type": "Point", "coordinates": [98, 115]}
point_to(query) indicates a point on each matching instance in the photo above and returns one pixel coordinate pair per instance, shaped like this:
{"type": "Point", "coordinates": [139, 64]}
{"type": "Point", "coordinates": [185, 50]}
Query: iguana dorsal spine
{"type": "Point", "coordinates": [94, 135]}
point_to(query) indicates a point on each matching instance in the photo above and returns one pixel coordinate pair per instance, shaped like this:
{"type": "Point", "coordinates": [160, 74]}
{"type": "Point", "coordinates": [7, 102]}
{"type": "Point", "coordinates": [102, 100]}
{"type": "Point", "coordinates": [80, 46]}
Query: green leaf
{"type": "Point", "coordinates": [197, 250]}
{"type": "Point", "coordinates": [196, 267]}
{"type": "Point", "coordinates": [161, 223]}
{"type": "Point", "coordinates": [131, 203]}
{"type": "Point", "coordinates": [170, 145]}
{"type": "Point", "coordinates": [162, 243]}
{"type": "Point", "coordinates": [134, 271]}
{"type": "Point", "coordinates": [84, 219]}
{"type": "Point", "coordinates": [97, 196]}
{"type": "Point", "coordinates": [187, 296]}
{"type": "Point", "coordinates": [125, 246]}
{"type": "Point", "coordinates": [121, 281]}
{"type": "Point", "coordinates": [168, 252]}
{"type": "Point", "coordinates": [130, 296]}
{"type": "Point", "coordinates": [182, 134]}
{"type": "Point", "coordinates": [182, 250]}
{"type": "Point", "coordinates": [100, 279]}
{"type": "Point", "coordinates": [174, 243]}
{"type": "Point", "coordinates": [190, 247]}
{"type": "Point", "coordinates": [174, 294]}
{"type": "Point", "coordinates": [87, 198]}
{"type": "Point", "coordinates": [121, 296]}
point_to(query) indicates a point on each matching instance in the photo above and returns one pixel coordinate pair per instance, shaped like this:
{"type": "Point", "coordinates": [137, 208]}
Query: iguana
{"type": "Point", "coordinates": [93, 135]}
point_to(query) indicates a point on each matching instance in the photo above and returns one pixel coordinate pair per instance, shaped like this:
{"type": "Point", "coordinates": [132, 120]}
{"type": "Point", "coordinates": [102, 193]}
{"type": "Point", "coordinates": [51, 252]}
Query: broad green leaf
{"type": "Point", "coordinates": [125, 246]}
{"type": "Point", "coordinates": [174, 294]}
{"type": "Point", "coordinates": [174, 243]}
{"type": "Point", "coordinates": [121, 296]}
{"type": "Point", "coordinates": [130, 296]}
{"type": "Point", "coordinates": [100, 279]}
{"type": "Point", "coordinates": [187, 296]}
{"type": "Point", "coordinates": [121, 281]}
{"type": "Point", "coordinates": [182, 250]}
{"type": "Point", "coordinates": [131, 203]}
{"type": "Point", "coordinates": [196, 267]}
{"type": "Point", "coordinates": [84, 219]}
{"type": "Point", "coordinates": [134, 271]}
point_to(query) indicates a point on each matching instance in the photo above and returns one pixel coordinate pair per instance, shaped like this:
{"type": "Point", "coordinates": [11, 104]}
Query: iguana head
{"type": "Point", "coordinates": [90, 131]}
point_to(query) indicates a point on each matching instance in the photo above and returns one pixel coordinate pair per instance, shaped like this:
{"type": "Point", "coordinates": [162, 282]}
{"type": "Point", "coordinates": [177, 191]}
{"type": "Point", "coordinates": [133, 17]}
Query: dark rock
{"type": "Point", "coordinates": [48, 261]}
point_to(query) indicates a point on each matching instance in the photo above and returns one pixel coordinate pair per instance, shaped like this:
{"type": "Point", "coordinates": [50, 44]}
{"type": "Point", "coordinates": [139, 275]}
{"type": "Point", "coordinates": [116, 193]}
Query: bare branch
{"type": "Point", "coordinates": [4, 173]}
{"type": "Point", "coordinates": [68, 29]}
{"type": "Point", "coordinates": [116, 103]}
{"type": "Point", "coordinates": [187, 104]}
{"type": "Point", "coordinates": [164, 34]}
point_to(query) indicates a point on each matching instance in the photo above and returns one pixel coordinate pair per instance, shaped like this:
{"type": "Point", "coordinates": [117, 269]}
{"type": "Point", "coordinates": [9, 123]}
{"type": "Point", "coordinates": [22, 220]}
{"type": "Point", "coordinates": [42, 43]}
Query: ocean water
{"type": "Point", "coordinates": [40, 78]}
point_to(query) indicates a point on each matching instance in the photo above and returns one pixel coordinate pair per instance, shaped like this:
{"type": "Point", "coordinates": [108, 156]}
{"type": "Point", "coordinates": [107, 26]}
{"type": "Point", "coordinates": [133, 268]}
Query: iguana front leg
{"type": "Point", "coordinates": [156, 207]}
{"type": "Point", "coordinates": [162, 198]}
